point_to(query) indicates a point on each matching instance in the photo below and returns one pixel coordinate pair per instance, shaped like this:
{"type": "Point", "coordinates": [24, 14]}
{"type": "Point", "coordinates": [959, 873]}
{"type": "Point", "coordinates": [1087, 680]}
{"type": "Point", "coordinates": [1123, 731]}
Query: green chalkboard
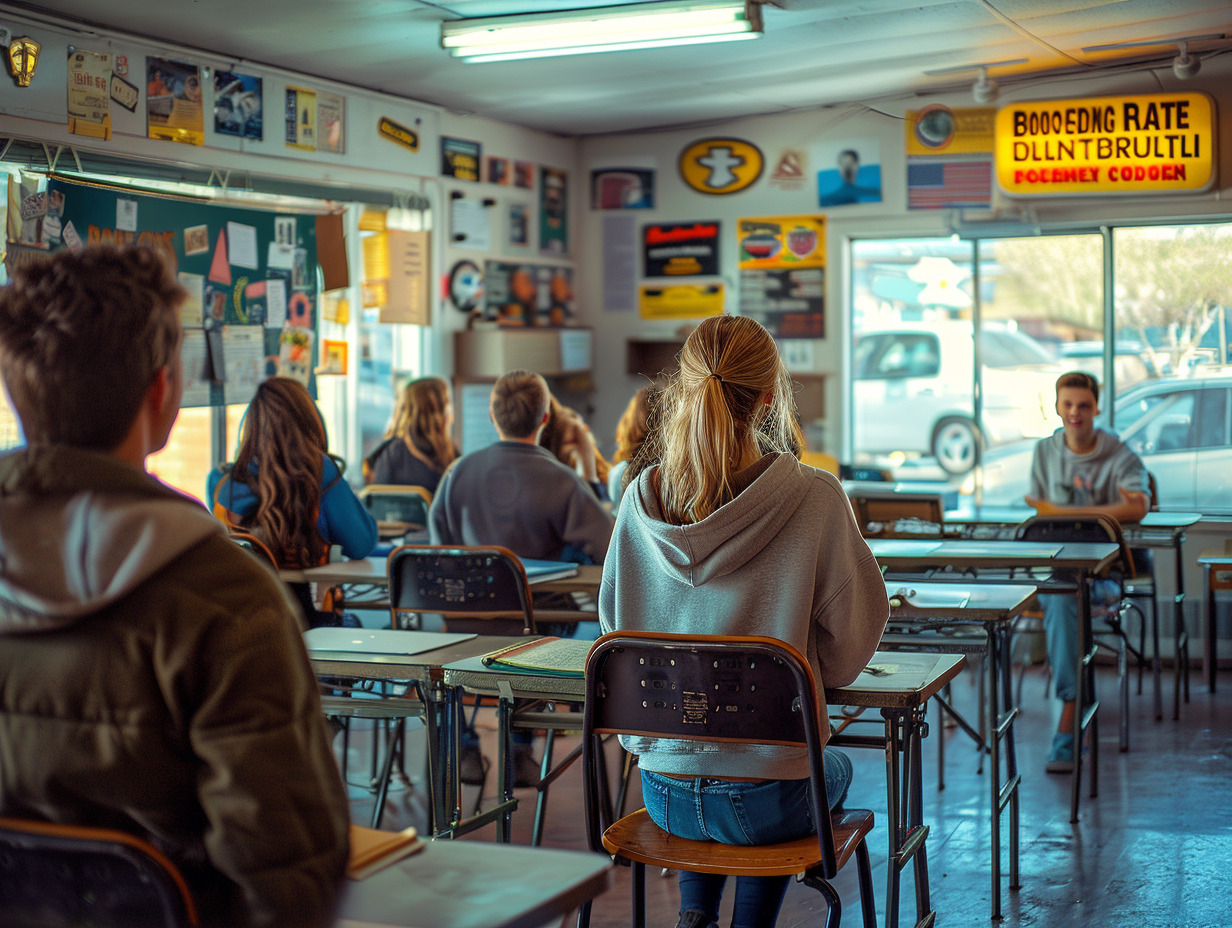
{"type": "Point", "coordinates": [251, 275]}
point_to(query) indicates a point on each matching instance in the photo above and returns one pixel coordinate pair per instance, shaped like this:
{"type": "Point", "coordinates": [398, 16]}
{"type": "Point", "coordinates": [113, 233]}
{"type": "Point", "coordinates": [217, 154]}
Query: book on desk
{"type": "Point", "coordinates": [373, 850]}
{"type": "Point", "coordinates": [552, 657]}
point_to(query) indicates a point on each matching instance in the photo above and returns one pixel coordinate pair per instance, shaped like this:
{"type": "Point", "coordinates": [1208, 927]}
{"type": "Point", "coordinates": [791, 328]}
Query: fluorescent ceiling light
{"type": "Point", "coordinates": [608, 29]}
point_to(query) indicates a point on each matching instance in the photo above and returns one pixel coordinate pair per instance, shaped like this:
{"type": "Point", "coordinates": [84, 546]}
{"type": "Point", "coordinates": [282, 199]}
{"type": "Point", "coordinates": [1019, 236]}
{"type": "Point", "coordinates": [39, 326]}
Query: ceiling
{"type": "Point", "coordinates": [813, 53]}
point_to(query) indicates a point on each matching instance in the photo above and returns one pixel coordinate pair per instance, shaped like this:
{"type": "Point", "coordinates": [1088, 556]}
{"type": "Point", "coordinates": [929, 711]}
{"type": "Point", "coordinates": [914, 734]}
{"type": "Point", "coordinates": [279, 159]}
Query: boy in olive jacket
{"type": "Point", "coordinates": [152, 675]}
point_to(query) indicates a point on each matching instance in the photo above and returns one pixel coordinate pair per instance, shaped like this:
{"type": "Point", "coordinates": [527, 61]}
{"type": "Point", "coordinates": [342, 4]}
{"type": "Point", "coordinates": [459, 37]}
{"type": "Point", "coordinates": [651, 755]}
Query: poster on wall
{"type": "Point", "coordinates": [782, 242]}
{"type": "Point", "coordinates": [89, 98]}
{"type": "Point", "coordinates": [407, 289]}
{"type": "Point", "coordinates": [524, 175]}
{"type": "Point", "coordinates": [688, 249]}
{"type": "Point", "coordinates": [848, 171]}
{"type": "Point", "coordinates": [519, 225]}
{"type": "Point", "coordinates": [301, 118]}
{"type": "Point", "coordinates": [553, 212]}
{"type": "Point", "coordinates": [949, 157]}
{"type": "Point", "coordinates": [790, 168]}
{"type": "Point", "coordinates": [460, 159]}
{"type": "Point", "coordinates": [173, 101]}
{"type": "Point", "coordinates": [527, 294]}
{"type": "Point", "coordinates": [331, 122]}
{"type": "Point", "coordinates": [789, 303]}
{"type": "Point", "coordinates": [238, 105]}
{"type": "Point", "coordinates": [681, 301]}
{"type": "Point", "coordinates": [498, 171]}
{"type": "Point", "coordinates": [622, 188]}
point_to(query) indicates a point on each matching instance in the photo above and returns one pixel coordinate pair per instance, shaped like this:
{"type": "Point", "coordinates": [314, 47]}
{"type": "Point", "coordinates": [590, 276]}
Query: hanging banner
{"type": "Point", "coordinates": [681, 249]}
{"type": "Point", "coordinates": [89, 100]}
{"type": "Point", "coordinates": [782, 242]}
{"type": "Point", "coordinates": [173, 102]}
{"type": "Point", "coordinates": [1154, 144]}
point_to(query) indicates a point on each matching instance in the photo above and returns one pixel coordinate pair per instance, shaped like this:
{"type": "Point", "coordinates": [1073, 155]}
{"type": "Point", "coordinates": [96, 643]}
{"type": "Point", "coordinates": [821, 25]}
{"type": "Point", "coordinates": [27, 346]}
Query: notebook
{"type": "Point", "coordinates": [379, 641]}
{"type": "Point", "coordinates": [555, 657]}
{"type": "Point", "coordinates": [541, 571]}
{"type": "Point", "coordinates": [373, 850]}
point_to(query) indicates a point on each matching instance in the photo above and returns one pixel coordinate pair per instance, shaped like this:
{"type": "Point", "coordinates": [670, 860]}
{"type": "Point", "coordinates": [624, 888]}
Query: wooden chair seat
{"type": "Point", "coordinates": [635, 837]}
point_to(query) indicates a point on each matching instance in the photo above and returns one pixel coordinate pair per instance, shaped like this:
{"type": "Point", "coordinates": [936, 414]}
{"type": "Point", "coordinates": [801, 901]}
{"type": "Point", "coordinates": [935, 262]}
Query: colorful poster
{"type": "Point", "coordinates": [848, 171]}
{"type": "Point", "coordinates": [408, 297]}
{"type": "Point", "coordinates": [301, 118]}
{"type": "Point", "coordinates": [294, 354]}
{"type": "Point", "coordinates": [238, 105]}
{"type": "Point", "coordinates": [949, 157]}
{"type": "Point", "coordinates": [680, 249]}
{"type": "Point", "coordinates": [498, 171]}
{"type": "Point", "coordinates": [527, 294]}
{"type": "Point", "coordinates": [789, 170]}
{"type": "Point", "coordinates": [89, 98]}
{"type": "Point", "coordinates": [333, 357]}
{"type": "Point", "coordinates": [173, 101]}
{"type": "Point", "coordinates": [331, 122]}
{"type": "Point", "coordinates": [553, 212]}
{"type": "Point", "coordinates": [524, 175]}
{"type": "Point", "coordinates": [782, 242]}
{"type": "Point", "coordinates": [519, 224]}
{"type": "Point", "coordinates": [460, 159]}
{"type": "Point", "coordinates": [789, 303]}
{"type": "Point", "coordinates": [681, 301]}
{"type": "Point", "coordinates": [622, 188]}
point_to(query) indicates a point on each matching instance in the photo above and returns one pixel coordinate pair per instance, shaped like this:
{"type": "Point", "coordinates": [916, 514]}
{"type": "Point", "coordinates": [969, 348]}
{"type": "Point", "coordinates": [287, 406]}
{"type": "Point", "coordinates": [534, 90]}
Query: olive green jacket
{"type": "Point", "coordinates": [153, 679]}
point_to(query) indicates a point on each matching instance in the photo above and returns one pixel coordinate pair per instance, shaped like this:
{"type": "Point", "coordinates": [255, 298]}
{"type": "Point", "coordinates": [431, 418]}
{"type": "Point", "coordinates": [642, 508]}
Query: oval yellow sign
{"type": "Point", "coordinates": [721, 165]}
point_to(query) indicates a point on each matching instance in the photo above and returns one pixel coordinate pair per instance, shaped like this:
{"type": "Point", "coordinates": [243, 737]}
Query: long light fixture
{"type": "Point", "coordinates": [607, 29]}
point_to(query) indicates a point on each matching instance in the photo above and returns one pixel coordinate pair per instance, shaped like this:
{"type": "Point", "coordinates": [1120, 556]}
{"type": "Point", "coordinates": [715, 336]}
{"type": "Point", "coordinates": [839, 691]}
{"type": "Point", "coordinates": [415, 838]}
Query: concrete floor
{"type": "Point", "coordinates": [1151, 851]}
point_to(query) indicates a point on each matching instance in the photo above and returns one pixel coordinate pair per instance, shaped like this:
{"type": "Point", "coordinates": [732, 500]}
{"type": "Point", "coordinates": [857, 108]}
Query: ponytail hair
{"type": "Point", "coordinates": [732, 389]}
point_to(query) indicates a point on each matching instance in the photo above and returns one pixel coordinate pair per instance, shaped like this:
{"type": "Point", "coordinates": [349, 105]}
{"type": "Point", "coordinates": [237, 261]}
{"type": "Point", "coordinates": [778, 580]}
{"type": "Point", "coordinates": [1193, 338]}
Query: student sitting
{"type": "Point", "coordinates": [632, 432]}
{"type": "Point", "coordinates": [420, 444]}
{"type": "Point", "coordinates": [568, 437]}
{"type": "Point", "coordinates": [286, 489]}
{"type": "Point", "coordinates": [154, 677]}
{"type": "Point", "coordinates": [517, 495]}
{"type": "Point", "coordinates": [729, 534]}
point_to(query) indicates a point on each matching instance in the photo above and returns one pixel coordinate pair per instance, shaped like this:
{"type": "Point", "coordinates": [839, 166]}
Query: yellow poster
{"type": "Point", "coordinates": [173, 102]}
{"type": "Point", "coordinates": [684, 301]}
{"type": "Point", "coordinates": [301, 118]}
{"type": "Point", "coordinates": [89, 105]}
{"type": "Point", "coordinates": [782, 242]}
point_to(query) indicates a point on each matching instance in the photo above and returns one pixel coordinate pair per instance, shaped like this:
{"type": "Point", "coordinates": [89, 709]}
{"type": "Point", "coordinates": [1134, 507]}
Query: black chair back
{"type": "Point", "coordinates": [1088, 527]}
{"type": "Point", "coordinates": [54, 874]}
{"type": "Point", "coordinates": [703, 688]}
{"type": "Point", "coordinates": [879, 515]}
{"type": "Point", "coordinates": [485, 585]}
{"type": "Point", "coordinates": [387, 503]}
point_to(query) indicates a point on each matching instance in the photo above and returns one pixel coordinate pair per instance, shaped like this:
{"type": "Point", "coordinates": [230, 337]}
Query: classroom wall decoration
{"type": "Point", "coordinates": [89, 102]}
{"type": "Point", "coordinates": [790, 303]}
{"type": "Point", "coordinates": [622, 188]}
{"type": "Point", "coordinates": [251, 308]}
{"type": "Point", "coordinates": [681, 301]}
{"type": "Point", "coordinates": [848, 171]}
{"type": "Point", "coordinates": [782, 242]}
{"type": "Point", "coordinates": [721, 165]}
{"type": "Point", "coordinates": [553, 212]}
{"type": "Point", "coordinates": [238, 105]}
{"type": "Point", "coordinates": [689, 249]}
{"type": "Point", "coordinates": [527, 294]}
{"type": "Point", "coordinates": [460, 159]}
{"type": "Point", "coordinates": [949, 157]}
{"type": "Point", "coordinates": [173, 101]}
{"type": "Point", "coordinates": [331, 122]}
{"type": "Point", "coordinates": [301, 118]}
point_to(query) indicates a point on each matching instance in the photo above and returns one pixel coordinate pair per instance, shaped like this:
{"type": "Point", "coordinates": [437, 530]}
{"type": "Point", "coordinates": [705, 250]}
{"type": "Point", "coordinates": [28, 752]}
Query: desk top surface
{"type": "Point", "coordinates": [1009, 515]}
{"type": "Point", "coordinates": [373, 570]}
{"type": "Point", "coordinates": [961, 553]}
{"type": "Point", "coordinates": [972, 602]}
{"type": "Point", "coordinates": [475, 884]}
{"type": "Point", "coordinates": [408, 666]}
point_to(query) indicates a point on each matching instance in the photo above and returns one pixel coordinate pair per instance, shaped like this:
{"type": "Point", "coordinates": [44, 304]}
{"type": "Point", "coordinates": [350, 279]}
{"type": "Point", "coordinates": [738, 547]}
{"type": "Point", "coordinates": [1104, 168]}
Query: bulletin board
{"type": "Point", "coordinates": [251, 277]}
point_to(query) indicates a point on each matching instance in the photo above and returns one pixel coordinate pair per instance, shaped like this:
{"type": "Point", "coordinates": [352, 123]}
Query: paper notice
{"type": "Point", "coordinates": [281, 257]}
{"type": "Point", "coordinates": [244, 360]}
{"type": "Point", "coordinates": [126, 215]}
{"type": "Point", "coordinates": [241, 244]}
{"type": "Point", "coordinates": [191, 309]}
{"type": "Point", "coordinates": [275, 303]}
{"type": "Point", "coordinates": [196, 379]}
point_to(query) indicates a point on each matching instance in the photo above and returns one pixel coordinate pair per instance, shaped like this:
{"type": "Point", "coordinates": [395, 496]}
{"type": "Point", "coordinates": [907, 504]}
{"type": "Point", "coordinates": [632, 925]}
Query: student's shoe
{"type": "Point", "coordinates": [1061, 757]}
{"type": "Point", "coordinates": [525, 767]}
{"type": "Point", "coordinates": [472, 765]}
{"type": "Point", "coordinates": [695, 918]}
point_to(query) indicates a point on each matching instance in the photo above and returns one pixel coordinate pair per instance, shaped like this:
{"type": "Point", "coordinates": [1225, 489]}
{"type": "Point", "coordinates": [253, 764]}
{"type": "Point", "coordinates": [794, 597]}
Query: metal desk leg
{"type": "Point", "coordinates": [1086, 705]}
{"type": "Point", "coordinates": [1009, 792]}
{"type": "Point", "coordinates": [905, 801]}
{"type": "Point", "coordinates": [1209, 661]}
{"type": "Point", "coordinates": [1182, 636]}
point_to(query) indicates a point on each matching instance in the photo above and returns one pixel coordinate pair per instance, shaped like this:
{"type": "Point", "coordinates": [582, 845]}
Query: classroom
{"type": "Point", "coordinates": [986, 251]}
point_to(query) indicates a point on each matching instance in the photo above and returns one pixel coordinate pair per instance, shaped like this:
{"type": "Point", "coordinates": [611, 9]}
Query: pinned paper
{"type": "Point", "coordinates": [275, 303]}
{"type": "Point", "coordinates": [220, 270]}
{"type": "Point", "coordinates": [71, 238]}
{"type": "Point", "coordinates": [194, 361]}
{"type": "Point", "coordinates": [126, 215]}
{"type": "Point", "coordinates": [196, 240]}
{"type": "Point", "coordinates": [280, 257]}
{"type": "Point", "coordinates": [192, 308]}
{"type": "Point", "coordinates": [295, 353]}
{"type": "Point", "coordinates": [242, 241]}
{"type": "Point", "coordinates": [245, 361]}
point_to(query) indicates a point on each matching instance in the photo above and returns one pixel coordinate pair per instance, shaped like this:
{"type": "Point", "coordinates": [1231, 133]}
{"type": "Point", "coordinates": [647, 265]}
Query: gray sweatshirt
{"type": "Point", "coordinates": [1093, 479]}
{"type": "Point", "coordinates": [783, 559]}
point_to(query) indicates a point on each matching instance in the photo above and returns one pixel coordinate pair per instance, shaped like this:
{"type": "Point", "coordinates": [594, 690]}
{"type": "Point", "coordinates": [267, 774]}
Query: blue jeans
{"type": "Point", "coordinates": [1061, 633]}
{"type": "Point", "coordinates": [706, 809]}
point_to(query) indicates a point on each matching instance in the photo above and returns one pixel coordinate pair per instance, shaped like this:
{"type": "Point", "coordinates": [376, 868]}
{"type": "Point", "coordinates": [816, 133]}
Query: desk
{"type": "Point", "coordinates": [423, 671]}
{"type": "Point", "coordinates": [1081, 561]}
{"type": "Point", "coordinates": [1155, 530]}
{"type": "Point", "coordinates": [1216, 573]}
{"type": "Point", "coordinates": [902, 698]}
{"type": "Point", "coordinates": [474, 884]}
{"type": "Point", "coordinates": [992, 607]}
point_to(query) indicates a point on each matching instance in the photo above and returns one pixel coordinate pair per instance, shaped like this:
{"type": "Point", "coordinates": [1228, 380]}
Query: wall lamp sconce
{"type": "Point", "coordinates": [23, 58]}
{"type": "Point", "coordinates": [608, 29]}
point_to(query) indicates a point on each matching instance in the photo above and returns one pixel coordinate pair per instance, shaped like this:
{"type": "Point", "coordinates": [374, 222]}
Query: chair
{"type": "Point", "coordinates": [900, 515]}
{"type": "Point", "coordinates": [397, 508]}
{"type": "Point", "coordinates": [763, 692]}
{"type": "Point", "coordinates": [52, 874]}
{"type": "Point", "coordinates": [1138, 591]}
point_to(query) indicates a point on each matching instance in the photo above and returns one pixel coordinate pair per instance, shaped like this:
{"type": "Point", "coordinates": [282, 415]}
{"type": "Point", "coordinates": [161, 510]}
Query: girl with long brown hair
{"type": "Point", "coordinates": [422, 445]}
{"type": "Point", "coordinates": [284, 486]}
{"type": "Point", "coordinates": [725, 532]}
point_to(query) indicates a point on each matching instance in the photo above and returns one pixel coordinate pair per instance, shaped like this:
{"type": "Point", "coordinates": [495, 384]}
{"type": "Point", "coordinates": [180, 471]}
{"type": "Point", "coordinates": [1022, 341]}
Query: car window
{"type": "Point", "coordinates": [898, 354]}
{"type": "Point", "coordinates": [1167, 427]}
{"type": "Point", "coordinates": [1010, 349]}
{"type": "Point", "coordinates": [1213, 418]}
{"type": "Point", "coordinates": [1129, 412]}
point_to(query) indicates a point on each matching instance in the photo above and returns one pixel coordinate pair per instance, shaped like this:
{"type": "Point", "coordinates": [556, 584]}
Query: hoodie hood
{"type": "Point", "coordinates": [730, 536]}
{"type": "Point", "coordinates": [79, 530]}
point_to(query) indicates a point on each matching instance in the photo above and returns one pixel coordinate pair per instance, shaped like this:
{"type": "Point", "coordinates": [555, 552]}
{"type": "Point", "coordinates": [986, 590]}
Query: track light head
{"type": "Point", "coordinates": [1185, 65]}
{"type": "Point", "coordinates": [985, 89]}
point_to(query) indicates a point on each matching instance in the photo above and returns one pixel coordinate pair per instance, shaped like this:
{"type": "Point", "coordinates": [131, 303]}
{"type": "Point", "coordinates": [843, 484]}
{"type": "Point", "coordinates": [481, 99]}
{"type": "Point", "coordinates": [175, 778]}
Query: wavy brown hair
{"type": "Point", "coordinates": [634, 426]}
{"type": "Point", "coordinates": [731, 397]}
{"type": "Point", "coordinates": [284, 441]}
{"type": "Point", "coordinates": [421, 422]}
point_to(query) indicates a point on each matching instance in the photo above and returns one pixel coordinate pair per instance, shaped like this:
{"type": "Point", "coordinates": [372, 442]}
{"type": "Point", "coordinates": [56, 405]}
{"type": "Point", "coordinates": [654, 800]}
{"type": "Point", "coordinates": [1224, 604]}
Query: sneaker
{"type": "Point", "coordinates": [1061, 757]}
{"type": "Point", "coordinates": [695, 918]}
{"type": "Point", "coordinates": [525, 767]}
{"type": "Point", "coordinates": [472, 765]}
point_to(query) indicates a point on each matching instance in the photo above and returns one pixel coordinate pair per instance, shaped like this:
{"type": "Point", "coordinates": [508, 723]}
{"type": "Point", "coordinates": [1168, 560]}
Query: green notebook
{"type": "Point", "coordinates": [551, 657]}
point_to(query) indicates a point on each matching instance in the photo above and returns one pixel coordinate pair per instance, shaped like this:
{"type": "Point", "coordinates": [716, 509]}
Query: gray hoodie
{"type": "Point", "coordinates": [1058, 475]}
{"type": "Point", "coordinates": [783, 559]}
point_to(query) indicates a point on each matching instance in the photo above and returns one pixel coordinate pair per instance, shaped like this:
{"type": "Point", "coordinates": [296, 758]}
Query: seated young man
{"type": "Point", "coordinates": [516, 494]}
{"type": "Point", "coordinates": [155, 680]}
{"type": "Point", "coordinates": [1080, 468]}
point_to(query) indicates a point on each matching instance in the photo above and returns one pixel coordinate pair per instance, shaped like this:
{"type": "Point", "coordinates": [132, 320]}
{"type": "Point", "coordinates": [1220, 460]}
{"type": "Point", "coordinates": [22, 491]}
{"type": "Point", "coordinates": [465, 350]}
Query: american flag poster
{"type": "Point", "coordinates": [949, 158]}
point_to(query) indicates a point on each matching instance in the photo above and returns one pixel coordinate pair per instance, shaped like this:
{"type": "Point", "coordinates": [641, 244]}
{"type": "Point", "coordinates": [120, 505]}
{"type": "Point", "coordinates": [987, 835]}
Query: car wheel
{"type": "Point", "coordinates": [955, 444]}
